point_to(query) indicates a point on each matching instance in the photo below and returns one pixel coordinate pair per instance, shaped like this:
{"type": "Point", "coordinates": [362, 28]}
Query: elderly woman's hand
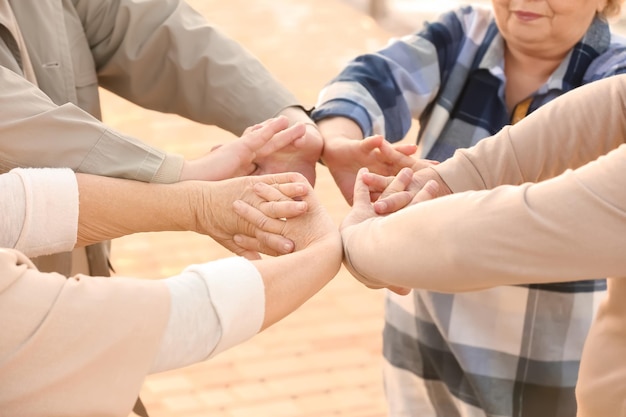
{"type": "Point", "coordinates": [344, 157]}
{"type": "Point", "coordinates": [362, 215]}
{"type": "Point", "coordinates": [217, 203]}
{"type": "Point", "coordinates": [406, 188]}
{"type": "Point", "coordinates": [244, 156]}
{"type": "Point", "coordinates": [268, 217]}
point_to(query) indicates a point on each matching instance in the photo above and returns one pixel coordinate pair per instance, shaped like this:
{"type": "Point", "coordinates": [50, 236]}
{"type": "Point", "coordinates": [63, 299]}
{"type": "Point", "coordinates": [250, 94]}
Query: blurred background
{"type": "Point", "coordinates": [325, 359]}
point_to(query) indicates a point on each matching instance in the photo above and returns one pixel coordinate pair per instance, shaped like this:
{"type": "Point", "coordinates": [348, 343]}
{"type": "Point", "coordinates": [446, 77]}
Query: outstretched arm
{"type": "Point", "coordinates": [112, 208]}
{"type": "Point", "coordinates": [563, 229]}
{"type": "Point", "coordinates": [149, 325]}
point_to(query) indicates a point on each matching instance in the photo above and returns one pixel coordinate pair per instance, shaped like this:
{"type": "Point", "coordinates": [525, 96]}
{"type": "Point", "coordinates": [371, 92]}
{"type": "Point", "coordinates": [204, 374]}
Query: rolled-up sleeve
{"type": "Point", "coordinates": [39, 210]}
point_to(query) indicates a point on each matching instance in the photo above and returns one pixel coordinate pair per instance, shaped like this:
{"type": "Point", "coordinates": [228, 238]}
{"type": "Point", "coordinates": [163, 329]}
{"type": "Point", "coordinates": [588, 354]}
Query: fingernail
{"type": "Point", "coordinates": [237, 239]}
{"type": "Point", "coordinates": [288, 247]}
{"type": "Point", "coordinates": [301, 206]}
{"type": "Point", "coordinates": [380, 206]}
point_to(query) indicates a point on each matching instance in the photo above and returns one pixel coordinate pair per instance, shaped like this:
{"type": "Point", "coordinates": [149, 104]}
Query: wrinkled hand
{"type": "Point", "coordinates": [406, 188]}
{"type": "Point", "coordinates": [314, 227]}
{"type": "Point", "coordinates": [244, 155]}
{"type": "Point", "coordinates": [219, 219]}
{"type": "Point", "coordinates": [344, 157]}
{"type": "Point", "coordinates": [362, 212]}
{"type": "Point", "coordinates": [300, 156]}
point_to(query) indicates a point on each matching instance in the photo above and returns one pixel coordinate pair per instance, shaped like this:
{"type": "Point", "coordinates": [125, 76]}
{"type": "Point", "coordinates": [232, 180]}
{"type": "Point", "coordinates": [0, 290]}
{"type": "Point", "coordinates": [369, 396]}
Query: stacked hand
{"type": "Point", "coordinates": [344, 157]}
{"type": "Point", "coordinates": [313, 226]}
{"type": "Point", "coordinates": [221, 200]}
{"type": "Point", "coordinates": [397, 192]}
{"type": "Point", "coordinates": [264, 148]}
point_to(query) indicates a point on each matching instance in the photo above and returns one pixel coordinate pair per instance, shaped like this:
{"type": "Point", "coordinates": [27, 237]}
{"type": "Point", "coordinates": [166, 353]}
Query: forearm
{"type": "Point", "coordinates": [214, 306]}
{"type": "Point", "coordinates": [335, 129]}
{"type": "Point", "coordinates": [558, 230]}
{"type": "Point", "coordinates": [111, 207]}
{"type": "Point", "coordinates": [566, 133]}
{"type": "Point", "coordinates": [292, 279]}
{"type": "Point", "coordinates": [220, 304]}
{"type": "Point", "coordinates": [339, 127]}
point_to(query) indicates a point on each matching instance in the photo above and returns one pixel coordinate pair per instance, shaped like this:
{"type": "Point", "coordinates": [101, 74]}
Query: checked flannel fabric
{"type": "Point", "coordinates": [506, 351]}
{"type": "Point", "coordinates": [511, 351]}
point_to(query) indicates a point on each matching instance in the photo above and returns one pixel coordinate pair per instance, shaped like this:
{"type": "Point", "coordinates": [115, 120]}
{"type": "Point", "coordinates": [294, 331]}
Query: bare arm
{"type": "Point", "coordinates": [111, 208]}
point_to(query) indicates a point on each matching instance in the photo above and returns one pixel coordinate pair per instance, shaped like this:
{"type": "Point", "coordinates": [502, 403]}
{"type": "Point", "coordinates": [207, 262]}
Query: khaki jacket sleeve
{"type": "Point", "coordinates": [165, 56]}
{"type": "Point", "coordinates": [80, 346]}
{"type": "Point", "coordinates": [30, 121]}
{"type": "Point", "coordinates": [566, 133]}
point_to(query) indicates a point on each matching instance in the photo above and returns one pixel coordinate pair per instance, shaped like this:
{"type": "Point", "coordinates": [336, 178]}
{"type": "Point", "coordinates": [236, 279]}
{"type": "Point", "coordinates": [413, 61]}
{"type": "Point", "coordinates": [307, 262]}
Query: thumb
{"type": "Point", "coordinates": [361, 194]}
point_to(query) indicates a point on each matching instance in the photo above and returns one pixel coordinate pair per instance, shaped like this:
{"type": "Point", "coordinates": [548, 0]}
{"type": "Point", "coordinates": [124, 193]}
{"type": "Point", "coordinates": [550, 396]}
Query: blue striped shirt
{"type": "Point", "coordinates": [507, 351]}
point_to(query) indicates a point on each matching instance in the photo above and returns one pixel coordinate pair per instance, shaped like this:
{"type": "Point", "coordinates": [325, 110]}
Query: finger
{"type": "Point", "coordinates": [399, 183]}
{"type": "Point", "coordinates": [268, 244]}
{"type": "Point", "coordinates": [399, 290]}
{"type": "Point", "coordinates": [361, 195]}
{"type": "Point", "coordinates": [258, 219]}
{"type": "Point", "coordinates": [250, 255]}
{"type": "Point", "coordinates": [396, 196]}
{"type": "Point", "coordinates": [281, 139]}
{"type": "Point", "coordinates": [282, 178]}
{"type": "Point", "coordinates": [394, 156]}
{"type": "Point", "coordinates": [252, 128]}
{"type": "Point", "coordinates": [428, 192]}
{"type": "Point", "coordinates": [256, 138]}
{"type": "Point", "coordinates": [376, 182]}
{"type": "Point", "coordinates": [280, 192]}
{"type": "Point", "coordinates": [370, 143]}
{"type": "Point", "coordinates": [283, 209]}
{"type": "Point", "coordinates": [406, 149]}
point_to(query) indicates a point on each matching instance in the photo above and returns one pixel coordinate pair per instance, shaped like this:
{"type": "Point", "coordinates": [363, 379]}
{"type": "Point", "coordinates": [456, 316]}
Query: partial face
{"type": "Point", "coordinates": [544, 26]}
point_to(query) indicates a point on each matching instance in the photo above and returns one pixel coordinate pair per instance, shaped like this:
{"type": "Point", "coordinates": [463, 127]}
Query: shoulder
{"type": "Point", "coordinates": [611, 62]}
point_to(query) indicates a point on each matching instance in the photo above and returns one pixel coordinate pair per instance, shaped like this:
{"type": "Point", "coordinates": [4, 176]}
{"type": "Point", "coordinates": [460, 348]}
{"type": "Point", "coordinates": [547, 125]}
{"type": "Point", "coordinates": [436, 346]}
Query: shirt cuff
{"type": "Point", "coordinates": [237, 294]}
{"type": "Point", "coordinates": [51, 218]}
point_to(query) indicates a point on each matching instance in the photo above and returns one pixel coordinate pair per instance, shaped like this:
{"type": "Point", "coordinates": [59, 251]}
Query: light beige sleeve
{"type": "Point", "coordinates": [39, 214]}
{"type": "Point", "coordinates": [165, 56]}
{"type": "Point", "coordinates": [566, 133]}
{"type": "Point", "coordinates": [567, 228]}
{"type": "Point", "coordinates": [30, 123]}
{"type": "Point", "coordinates": [82, 345]}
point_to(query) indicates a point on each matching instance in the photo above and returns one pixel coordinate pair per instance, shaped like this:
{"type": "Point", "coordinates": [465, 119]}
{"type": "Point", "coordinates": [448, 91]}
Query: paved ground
{"type": "Point", "coordinates": [325, 359]}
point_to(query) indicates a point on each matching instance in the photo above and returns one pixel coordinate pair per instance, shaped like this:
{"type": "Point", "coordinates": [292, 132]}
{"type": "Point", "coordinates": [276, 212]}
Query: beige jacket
{"type": "Point", "coordinates": [160, 54]}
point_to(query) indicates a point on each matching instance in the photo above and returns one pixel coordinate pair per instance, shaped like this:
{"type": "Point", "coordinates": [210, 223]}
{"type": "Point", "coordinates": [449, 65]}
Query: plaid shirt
{"type": "Point", "coordinates": [510, 350]}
